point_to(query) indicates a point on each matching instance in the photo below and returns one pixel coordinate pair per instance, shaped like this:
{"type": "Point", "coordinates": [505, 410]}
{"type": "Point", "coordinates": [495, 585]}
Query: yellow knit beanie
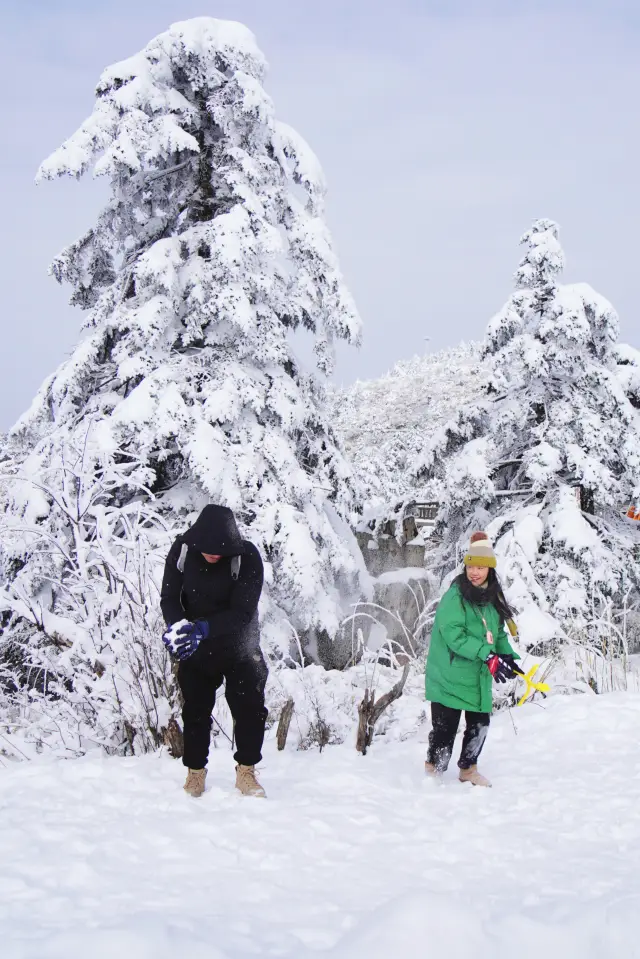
{"type": "Point", "coordinates": [480, 552]}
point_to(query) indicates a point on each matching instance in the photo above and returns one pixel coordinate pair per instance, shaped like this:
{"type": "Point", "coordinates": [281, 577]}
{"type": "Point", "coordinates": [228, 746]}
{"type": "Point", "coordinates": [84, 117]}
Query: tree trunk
{"type": "Point", "coordinates": [173, 739]}
{"type": "Point", "coordinates": [284, 723]}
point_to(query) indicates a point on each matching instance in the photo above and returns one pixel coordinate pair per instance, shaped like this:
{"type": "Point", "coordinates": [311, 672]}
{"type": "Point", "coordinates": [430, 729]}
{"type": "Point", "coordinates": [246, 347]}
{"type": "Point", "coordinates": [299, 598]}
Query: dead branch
{"type": "Point", "coordinates": [371, 710]}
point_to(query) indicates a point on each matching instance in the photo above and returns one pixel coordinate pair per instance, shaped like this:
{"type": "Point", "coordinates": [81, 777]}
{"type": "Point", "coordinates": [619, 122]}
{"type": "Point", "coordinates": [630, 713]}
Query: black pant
{"type": "Point", "coordinates": [445, 722]}
{"type": "Point", "coordinates": [245, 681]}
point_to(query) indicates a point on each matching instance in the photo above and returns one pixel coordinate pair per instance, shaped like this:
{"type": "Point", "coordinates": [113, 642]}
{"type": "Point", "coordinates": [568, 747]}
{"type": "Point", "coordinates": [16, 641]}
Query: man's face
{"type": "Point", "coordinates": [211, 557]}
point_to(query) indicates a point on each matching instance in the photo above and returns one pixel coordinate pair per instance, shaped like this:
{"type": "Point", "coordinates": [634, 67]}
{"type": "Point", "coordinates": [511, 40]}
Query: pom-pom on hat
{"type": "Point", "coordinates": [480, 552]}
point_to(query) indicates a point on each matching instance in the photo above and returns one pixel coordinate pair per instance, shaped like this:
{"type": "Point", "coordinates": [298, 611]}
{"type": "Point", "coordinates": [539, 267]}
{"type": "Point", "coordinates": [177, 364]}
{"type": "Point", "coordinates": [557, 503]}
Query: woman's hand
{"type": "Point", "coordinates": [502, 668]}
{"type": "Point", "coordinates": [511, 659]}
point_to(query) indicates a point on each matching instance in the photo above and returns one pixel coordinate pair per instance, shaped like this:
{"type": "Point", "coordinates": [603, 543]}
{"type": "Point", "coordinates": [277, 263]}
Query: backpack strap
{"type": "Point", "coordinates": [182, 558]}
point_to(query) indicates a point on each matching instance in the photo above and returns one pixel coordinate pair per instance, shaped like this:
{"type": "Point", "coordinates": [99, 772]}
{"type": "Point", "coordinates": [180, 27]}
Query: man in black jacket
{"type": "Point", "coordinates": [210, 591]}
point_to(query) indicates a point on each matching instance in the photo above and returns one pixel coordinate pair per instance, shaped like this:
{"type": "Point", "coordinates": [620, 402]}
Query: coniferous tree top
{"type": "Point", "coordinates": [212, 249]}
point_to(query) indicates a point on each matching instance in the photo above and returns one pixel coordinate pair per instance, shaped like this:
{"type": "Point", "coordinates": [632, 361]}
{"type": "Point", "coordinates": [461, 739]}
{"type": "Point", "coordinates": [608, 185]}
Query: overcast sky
{"type": "Point", "coordinates": [443, 128]}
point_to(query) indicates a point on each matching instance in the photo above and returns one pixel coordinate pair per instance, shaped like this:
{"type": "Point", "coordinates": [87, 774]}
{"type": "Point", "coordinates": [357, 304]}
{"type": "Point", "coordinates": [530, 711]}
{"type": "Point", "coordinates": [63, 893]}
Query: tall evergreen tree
{"type": "Point", "coordinates": [212, 250]}
{"type": "Point", "coordinates": [549, 458]}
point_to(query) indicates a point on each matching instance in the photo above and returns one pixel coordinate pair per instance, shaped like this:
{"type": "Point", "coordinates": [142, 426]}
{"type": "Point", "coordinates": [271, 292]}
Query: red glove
{"type": "Point", "coordinates": [500, 667]}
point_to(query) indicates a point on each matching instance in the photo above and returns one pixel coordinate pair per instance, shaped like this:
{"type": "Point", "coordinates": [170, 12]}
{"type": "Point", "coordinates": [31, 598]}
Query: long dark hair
{"type": "Point", "coordinates": [483, 596]}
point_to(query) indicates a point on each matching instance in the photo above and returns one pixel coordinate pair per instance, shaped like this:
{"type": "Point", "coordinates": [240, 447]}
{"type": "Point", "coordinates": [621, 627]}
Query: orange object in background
{"type": "Point", "coordinates": [633, 513]}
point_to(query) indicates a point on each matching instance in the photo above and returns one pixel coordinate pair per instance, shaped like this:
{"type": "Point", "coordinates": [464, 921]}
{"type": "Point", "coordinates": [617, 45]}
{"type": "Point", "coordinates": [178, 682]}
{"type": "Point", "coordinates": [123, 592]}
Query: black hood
{"type": "Point", "coordinates": [215, 532]}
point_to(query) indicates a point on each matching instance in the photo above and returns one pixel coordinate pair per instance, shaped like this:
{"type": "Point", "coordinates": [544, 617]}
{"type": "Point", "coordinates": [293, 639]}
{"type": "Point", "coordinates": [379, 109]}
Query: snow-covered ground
{"type": "Point", "coordinates": [349, 857]}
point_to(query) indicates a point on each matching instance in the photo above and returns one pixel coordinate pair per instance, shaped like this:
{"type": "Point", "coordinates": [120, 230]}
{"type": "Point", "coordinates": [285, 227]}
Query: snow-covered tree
{"type": "Point", "coordinates": [382, 423]}
{"type": "Point", "coordinates": [548, 458]}
{"type": "Point", "coordinates": [628, 360]}
{"type": "Point", "coordinates": [185, 389]}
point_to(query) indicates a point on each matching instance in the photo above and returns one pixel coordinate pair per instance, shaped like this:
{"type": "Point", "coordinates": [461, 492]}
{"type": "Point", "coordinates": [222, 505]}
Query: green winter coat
{"type": "Point", "coordinates": [457, 675]}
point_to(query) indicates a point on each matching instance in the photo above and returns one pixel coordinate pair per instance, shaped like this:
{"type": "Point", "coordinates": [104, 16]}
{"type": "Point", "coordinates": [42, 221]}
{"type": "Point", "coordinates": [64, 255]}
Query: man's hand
{"type": "Point", "coordinates": [183, 638]}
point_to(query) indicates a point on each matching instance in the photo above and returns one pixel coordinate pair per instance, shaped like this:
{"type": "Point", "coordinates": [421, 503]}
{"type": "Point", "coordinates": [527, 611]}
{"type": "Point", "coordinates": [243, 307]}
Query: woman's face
{"type": "Point", "coordinates": [477, 575]}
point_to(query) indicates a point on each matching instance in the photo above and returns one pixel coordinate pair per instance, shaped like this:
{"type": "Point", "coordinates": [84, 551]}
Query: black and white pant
{"type": "Point", "coordinates": [445, 722]}
{"type": "Point", "coordinates": [245, 679]}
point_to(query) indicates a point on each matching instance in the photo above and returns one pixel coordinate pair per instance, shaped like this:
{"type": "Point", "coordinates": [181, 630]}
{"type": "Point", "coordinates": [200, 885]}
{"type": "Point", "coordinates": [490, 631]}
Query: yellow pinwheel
{"type": "Point", "coordinates": [531, 686]}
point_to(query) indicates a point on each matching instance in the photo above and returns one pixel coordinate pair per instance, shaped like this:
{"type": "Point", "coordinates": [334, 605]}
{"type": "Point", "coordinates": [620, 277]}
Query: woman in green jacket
{"type": "Point", "coordinates": [469, 649]}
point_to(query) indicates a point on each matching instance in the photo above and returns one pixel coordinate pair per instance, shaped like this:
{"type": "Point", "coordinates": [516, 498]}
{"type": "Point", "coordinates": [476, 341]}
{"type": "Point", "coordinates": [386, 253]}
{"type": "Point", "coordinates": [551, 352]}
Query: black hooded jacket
{"type": "Point", "coordinates": [208, 591]}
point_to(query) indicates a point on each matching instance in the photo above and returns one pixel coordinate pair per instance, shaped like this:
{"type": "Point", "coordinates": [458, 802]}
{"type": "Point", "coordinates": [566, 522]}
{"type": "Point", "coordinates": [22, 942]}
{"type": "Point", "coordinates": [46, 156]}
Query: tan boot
{"type": "Point", "coordinates": [471, 775]}
{"type": "Point", "coordinates": [247, 783]}
{"type": "Point", "coordinates": [431, 771]}
{"type": "Point", "coordinates": [195, 781]}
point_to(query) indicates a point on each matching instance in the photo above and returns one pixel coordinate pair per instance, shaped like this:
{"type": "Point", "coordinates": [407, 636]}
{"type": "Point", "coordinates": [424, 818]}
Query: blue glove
{"type": "Point", "coordinates": [183, 638]}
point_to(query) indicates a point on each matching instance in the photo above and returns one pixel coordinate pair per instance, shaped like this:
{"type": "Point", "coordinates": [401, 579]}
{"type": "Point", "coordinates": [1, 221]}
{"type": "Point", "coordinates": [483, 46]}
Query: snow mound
{"type": "Point", "coordinates": [348, 857]}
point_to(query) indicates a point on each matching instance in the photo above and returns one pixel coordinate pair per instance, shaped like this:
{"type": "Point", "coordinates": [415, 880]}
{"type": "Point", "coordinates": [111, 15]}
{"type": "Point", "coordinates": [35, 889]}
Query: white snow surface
{"type": "Point", "coordinates": [405, 575]}
{"type": "Point", "coordinates": [349, 856]}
